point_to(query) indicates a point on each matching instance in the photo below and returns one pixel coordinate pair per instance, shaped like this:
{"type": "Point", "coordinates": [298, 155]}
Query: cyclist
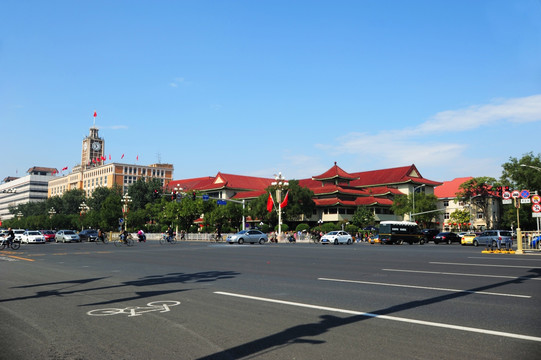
{"type": "Point", "coordinates": [10, 235]}
{"type": "Point", "coordinates": [218, 233]}
{"type": "Point", "coordinates": [141, 235]}
{"type": "Point", "coordinates": [124, 236]}
{"type": "Point", "coordinates": [182, 235]}
{"type": "Point", "coordinates": [169, 234]}
{"type": "Point", "coordinates": [101, 236]}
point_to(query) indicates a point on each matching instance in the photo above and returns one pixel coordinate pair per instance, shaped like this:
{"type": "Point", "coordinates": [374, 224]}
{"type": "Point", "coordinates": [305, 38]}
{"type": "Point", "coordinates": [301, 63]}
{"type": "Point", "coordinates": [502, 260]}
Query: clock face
{"type": "Point", "coordinates": [85, 145]}
{"type": "Point", "coordinates": [96, 146]}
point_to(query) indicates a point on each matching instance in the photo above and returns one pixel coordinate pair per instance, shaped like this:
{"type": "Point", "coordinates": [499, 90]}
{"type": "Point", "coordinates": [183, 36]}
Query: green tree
{"type": "Point", "coordinates": [424, 203]}
{"type": "Point", "coordinates": [478, 192]}
{"type": "Point", "coordinates": [142, 192]}
{"type": "Point", "coordinates": [460, 217]}
{"type": "Point", "coordinates": [363, 217]}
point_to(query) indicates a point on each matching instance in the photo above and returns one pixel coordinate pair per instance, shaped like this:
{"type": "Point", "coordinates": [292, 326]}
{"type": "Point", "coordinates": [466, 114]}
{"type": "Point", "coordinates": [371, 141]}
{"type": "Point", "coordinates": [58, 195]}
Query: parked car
{"type": "Point", "coordinates": [18, 234]}
{"type": "Point", "coordinates": [49, 235]}
{"type": "Point", "coordinates": [495, 238]}
{"type": "Point", "coordinates": [337, 237]}
{"type": "Point", "coordinates": [32, 236]}
{"type": "Point", "coordinates": [469, 239]}
{"type": "Point", "coordinates": [251, 236]}
{"type": "Point", "coordinates": [446, 237]}
{"type": "Point", "coordinates": [67, 236]}
{"type": "Point", "coordinates": [429, 234]}
{"type": "Point", "coordinates": [88, 235]}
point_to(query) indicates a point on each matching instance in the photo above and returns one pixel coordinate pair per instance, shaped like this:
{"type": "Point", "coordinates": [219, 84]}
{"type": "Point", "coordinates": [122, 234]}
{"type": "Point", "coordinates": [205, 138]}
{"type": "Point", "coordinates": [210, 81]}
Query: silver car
{"type": "Point", "coordinates": [249, 236]}
{"type": "Point", "coordinates": [67, 236]}
{"type": "Point", "coordinates": [496, 238]}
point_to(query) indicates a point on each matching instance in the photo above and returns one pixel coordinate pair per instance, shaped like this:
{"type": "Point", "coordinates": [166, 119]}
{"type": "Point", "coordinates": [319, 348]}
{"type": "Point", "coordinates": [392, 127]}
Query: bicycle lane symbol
{"type": "Point", "coordinates": [160, 306]}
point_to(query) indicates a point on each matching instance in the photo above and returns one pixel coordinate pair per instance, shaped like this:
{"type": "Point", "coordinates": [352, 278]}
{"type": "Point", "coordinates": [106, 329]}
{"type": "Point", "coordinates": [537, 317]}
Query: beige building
{"type": "Point", "coordinates": [94, 172]}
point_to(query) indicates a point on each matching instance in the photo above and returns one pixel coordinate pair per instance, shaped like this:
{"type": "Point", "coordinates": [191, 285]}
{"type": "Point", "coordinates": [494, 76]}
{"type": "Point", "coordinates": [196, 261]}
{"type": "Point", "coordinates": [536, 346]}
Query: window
{"type": "Point", "coordinates": [445, 203]}
{"type": "Point", "coordinates": [446, 216]}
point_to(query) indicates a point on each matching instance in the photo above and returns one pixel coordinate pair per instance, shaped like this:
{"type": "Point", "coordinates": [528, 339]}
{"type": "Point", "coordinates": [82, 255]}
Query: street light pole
{"type": "Point", "coordinates": [280, 183]}
{"type": "Point", "coordinates": [413, 197]}
{"type": "Point", "coordinates": [83, 208]}
{"type": "Point", "coordinates": [126, 199]}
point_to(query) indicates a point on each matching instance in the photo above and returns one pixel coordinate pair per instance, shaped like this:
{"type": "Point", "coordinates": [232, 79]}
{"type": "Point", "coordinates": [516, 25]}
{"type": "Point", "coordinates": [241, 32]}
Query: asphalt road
{"type": "Point", "coordinates": [275, 301]}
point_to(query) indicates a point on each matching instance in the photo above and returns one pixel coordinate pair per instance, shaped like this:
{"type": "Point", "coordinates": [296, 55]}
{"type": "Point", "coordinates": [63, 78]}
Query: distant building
{"type": "Point", "coordinates": [94, 172]}
{"type": "Point", "coordinates": [32, 187]}
{"type": "Point", "coordinates": [337, 193]}
{"type": "Point", "coordinates": [448, 203]}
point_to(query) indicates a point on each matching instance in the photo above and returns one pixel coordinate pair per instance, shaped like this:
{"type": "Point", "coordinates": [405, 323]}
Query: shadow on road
{"type": "Point", "coordinates": [296, 334]}
{"type": "Point", "coordinates": [65, 288]}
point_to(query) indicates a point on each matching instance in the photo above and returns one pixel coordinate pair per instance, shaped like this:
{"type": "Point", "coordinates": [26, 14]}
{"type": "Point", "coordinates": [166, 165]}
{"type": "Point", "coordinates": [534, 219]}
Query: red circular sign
{"type": "Point", "coordinates": [515, 194]}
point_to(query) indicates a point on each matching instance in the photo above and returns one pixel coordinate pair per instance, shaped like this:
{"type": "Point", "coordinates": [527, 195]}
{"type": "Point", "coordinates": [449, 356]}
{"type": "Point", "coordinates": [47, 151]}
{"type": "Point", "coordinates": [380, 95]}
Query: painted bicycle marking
{"type": "Point", "coordinates": [160, 306]}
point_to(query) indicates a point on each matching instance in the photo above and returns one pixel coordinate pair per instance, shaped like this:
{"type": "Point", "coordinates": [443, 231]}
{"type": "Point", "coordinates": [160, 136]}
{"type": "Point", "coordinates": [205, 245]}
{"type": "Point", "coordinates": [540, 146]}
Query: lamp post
{"type": "Point", "coordinates": [519, 232]}
{"type": "Point", "coordinates": [178, 195]}
{"type": "Point", "coordinates": [83, 208]}
{"type": "Point", "coordinates": [413, 198]}
{"type": "Point", "coordinates": [19, 215]}
{"type": "Point", "coordinates": [52, 212]}
{"type": "Point", "coordinates": [126, 199]}
{"type": "Point", "coordinates": [280, 183]}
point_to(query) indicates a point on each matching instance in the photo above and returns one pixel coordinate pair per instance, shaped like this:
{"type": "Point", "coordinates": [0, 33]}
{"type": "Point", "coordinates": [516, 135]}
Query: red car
{"type": "Point", "coordinates": [48, 235]}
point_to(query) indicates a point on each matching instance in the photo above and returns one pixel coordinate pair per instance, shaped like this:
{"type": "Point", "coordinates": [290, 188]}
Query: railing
{"type": "Point", "coordinates": [531, 240]}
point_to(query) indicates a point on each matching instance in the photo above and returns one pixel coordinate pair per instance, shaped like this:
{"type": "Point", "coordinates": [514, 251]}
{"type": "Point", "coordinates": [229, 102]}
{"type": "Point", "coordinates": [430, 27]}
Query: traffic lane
{"type": "Point", "coordinates": [145, 288]}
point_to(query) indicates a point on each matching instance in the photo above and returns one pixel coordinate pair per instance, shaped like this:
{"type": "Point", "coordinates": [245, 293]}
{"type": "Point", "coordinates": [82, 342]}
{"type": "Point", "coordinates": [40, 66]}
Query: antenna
{"type": "Point", "coordinates": [159, 156]}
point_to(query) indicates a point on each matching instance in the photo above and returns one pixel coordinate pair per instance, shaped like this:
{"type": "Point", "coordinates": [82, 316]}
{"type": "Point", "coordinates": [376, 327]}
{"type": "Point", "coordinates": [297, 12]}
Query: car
{"type": "Point", "coordinates": [469, 239]}
{"type": "Point", "coordinates": [429, 234]}
{"type": "Point", "coordinates": [32, 236]}
{"type": "Point", "coordinates": [49, 235]}
{"type": "Point", "coordinates": [249, 236]}
{"type": "Point", "coordinates": [18, 234]}
{"type": "Point", "coordinates": [446, 237]}
{"type": "Point", "coordinates": [337, 237]}
{"type": "Point", "coordinates": [88, 235]}
{"type": "Point", "coordinates": [495, 238]}
{"type": "Point", "coordinates": [67, 236]}
{"type": "Point", "coordinates": [375, 239]}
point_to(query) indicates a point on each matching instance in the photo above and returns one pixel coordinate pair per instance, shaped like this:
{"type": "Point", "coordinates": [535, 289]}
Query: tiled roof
{"type": "Point", "coordinates": [391, 176]}
{"type": "Point", "coordinates": [335, 172]}
{"type": "Point", "coordinates": [42, 169]}
{"type": "Point", "coordinates": [190, 184]}
{"type": "Point", "coordinates": [450, 188]}
{"type": "Point", "coordinates": [239, 182]}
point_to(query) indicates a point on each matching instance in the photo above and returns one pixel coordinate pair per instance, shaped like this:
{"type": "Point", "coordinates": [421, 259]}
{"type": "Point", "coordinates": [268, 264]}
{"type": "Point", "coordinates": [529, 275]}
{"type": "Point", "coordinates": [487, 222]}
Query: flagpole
{"type": "Point", "coordinates": [280, 182]}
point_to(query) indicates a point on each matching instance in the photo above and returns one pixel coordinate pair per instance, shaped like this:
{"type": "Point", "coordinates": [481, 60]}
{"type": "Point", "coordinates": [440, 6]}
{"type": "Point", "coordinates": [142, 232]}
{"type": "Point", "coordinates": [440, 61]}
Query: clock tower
{"type": "Point", "coordinates": [93, 148]}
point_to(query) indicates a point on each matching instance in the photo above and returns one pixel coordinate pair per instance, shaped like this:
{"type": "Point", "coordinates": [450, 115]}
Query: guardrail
{"type": "Point", "coordinates": [531, 241]}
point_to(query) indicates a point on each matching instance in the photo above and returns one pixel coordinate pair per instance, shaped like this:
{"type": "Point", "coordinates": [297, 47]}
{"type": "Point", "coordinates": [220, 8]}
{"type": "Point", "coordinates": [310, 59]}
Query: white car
{"type": "Point", "coordinates": [337, 237]}
{"type": "Point", "coordinates": [18, 234]}
{"type": "Point", "coordinates": [32, 236]}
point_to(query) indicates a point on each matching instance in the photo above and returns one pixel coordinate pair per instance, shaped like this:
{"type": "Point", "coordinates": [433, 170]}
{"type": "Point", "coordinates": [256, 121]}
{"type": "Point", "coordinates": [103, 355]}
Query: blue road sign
{"type": "Point", "coordinates": [221, 202]}
{"type": "Point", "coordinates": [524, 194]}
{"type": "Point", "coordinates": [205, 197]}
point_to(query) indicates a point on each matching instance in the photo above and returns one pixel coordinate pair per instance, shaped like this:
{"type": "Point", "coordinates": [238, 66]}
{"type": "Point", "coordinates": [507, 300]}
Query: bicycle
{"type": "Point", "coordinates": [102, 240]}
{"type": "Point", "coordinates": [15, 245]}
{"type": "Point", "coordinates": [167, 239]}
{"type": "Point", "coordinates": [124, 241]}
{"type": "Point", "coordinates": [216, 238]}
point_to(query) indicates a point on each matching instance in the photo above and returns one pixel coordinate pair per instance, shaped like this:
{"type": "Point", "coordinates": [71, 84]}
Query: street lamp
{"type": "Point", "coordinates": [83, 208]}
{"type": "Point", "coordinates": [126, 199]}
{"type": "Point", "coordinates": [413, 198]}
{"type": "Point", "coordinates": [19, 215]}
{"type": "Point", "coordinates": [531, 166]}
{"type": "Point", "coordinates": [52, 212]}
{"type": "Point", "coordinates": [178, 194]}
{"type": "Point", "coordinates": [280, 183]}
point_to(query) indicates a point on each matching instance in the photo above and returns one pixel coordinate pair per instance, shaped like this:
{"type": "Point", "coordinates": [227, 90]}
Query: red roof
{"type": "Point", "coordinates": [239, 182]}
{"type": "Point", "coordinates": [391, 176]}
{"type": "Point", "coordinates": [334, 173]}
{"type": "Point", "coordinates": [450, 188]}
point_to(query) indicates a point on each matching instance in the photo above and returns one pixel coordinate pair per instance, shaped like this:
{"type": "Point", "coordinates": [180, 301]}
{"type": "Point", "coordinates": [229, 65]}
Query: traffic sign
{"type": "Point", "coordinates": [525, 194]}
{"type": "Point", "coordinates": [515, 194]}
{"type": "Point", "coordinates": [205, 197]}
{"type": "Point", "coordinates": [536, 199]}
{"type": "Point", "coordinates": [121, 221]}
{"type": "Point", "coordinates": [536, 208]}
{"type": "Point", "coordinates": [506, 195]}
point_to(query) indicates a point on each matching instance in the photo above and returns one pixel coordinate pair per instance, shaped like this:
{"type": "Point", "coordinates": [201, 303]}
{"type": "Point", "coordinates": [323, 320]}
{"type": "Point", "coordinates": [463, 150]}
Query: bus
{"type": "Point", "coordinates": [399, 232]}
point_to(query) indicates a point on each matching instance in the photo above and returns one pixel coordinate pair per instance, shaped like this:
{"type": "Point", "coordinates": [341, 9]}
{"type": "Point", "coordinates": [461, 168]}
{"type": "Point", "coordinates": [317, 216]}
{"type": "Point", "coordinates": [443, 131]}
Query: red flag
{"type": "Point", "coordinates": [137, 158]}
{"type": "Point", "coordinates": [270, 203]}
{"type": "Point", "coordinates": [122, 157]}
{"type": "Point", "coordinates": [109, 156]}
{"type": "Point", "coordinates": [95, 114]}
{"type": "Point", "coordinates": [103, 158]}
{"type": "Point", "coordinates": [94, 161]}
{"type": "Point", "coordinates": [64, 168]}
{"type": "Point", "coordinates": [284, 203]}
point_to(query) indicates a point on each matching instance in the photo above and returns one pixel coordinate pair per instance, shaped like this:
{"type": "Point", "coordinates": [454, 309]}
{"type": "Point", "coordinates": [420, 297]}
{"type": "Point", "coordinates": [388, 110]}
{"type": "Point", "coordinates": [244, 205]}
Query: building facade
{"type": "Point", "coordinates": [95, 172]}
{"type": "Point", "coordinates": [32, 187]}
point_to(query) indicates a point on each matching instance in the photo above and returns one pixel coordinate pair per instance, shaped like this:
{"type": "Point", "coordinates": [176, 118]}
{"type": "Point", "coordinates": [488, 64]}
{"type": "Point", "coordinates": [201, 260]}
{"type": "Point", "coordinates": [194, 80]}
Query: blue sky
{"type": "Point", "coordinates": [258, 87]}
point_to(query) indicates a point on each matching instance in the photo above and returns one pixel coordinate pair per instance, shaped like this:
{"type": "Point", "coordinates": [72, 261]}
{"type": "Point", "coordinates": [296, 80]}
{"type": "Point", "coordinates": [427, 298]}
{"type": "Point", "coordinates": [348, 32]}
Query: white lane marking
{"type": "Point", "coordinates": [486, 265]}
{"type": "Point", "coordinates": [427, 288]}
{"type": "Point", "coordinates": [386, 317]}
{"type": "Point", "coordinates": [464, 274]}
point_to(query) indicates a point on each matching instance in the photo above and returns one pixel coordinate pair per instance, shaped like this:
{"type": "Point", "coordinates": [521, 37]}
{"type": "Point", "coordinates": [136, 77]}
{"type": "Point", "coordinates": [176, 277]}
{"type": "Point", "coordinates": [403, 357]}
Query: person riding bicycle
{"type": "Point", "coordinates": [10, 235]}
{"type": "Point", "coordinates": [141, 235]}
{"type": "Point", "coordinates": [101, 236]}
{"type": "Point", "coordinates": [170, 234]}
{"type": "Point", "coordinates": [124, 236]}
{"type": "Point", "coordinates": [182, 235]}
{"type": "Point", "coordinates": [219, 232]}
